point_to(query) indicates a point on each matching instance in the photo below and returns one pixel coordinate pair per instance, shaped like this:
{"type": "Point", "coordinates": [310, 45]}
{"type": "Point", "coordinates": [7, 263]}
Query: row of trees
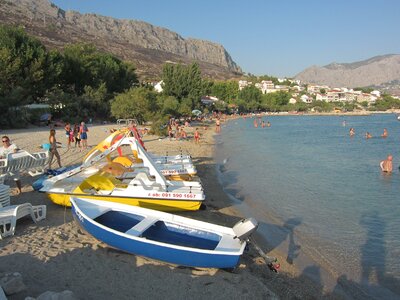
{"type": "Point", "coordinates": [77, 83]}
{"type": "Point", "coordinates": [82, 82]}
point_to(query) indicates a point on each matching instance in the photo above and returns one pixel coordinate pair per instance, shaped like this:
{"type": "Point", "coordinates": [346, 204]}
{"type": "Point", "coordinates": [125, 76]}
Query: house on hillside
{"type": "Point", "coordinates": [306, 99]}
{"type": "Point", "coordinates": [158, 87]}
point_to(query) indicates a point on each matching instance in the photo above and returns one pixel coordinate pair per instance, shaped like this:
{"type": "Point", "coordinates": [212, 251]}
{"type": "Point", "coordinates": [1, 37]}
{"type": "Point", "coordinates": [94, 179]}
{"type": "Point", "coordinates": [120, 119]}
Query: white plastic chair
{"type": "Point", "coordinates": [10, 214]}
{"type": "Point", "coordinates": [34, 163]}
{"type": "Point", "coordinates": [4, 195]}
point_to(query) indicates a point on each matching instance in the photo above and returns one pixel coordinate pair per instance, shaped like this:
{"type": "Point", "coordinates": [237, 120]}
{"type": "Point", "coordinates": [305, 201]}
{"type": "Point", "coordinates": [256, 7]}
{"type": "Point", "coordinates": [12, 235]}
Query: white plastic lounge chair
{"type": "Point", "coordinates": [10, 214]}
{"type": "Point", "coordinates": [4, 195]}
{"type": "Point", "coordinates": [34, 163]}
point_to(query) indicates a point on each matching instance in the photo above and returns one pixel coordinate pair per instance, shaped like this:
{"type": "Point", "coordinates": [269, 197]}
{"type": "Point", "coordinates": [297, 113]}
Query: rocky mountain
{"type": "Point", "coordinates": [147, 46]}
{"type": "Point", "coordinates": [380, 71]}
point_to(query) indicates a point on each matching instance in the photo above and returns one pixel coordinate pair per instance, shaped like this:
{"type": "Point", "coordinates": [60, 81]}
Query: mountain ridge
{"type": "Point", "coordinates": [148, 46]}
{"type": "Point", "coordinates": [382, 72]}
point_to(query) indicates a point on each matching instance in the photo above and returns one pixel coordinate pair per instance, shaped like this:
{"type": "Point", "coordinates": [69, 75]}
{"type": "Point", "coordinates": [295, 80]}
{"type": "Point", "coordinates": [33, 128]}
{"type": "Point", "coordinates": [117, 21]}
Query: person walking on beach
{"type": "Point", "coordinates": [83, 134]}
{"type": "Point", "coordinates": [387, 165]}
{"type": "Point", "coordinates": [197, 136]}
{"type": "Point", "coordinates": [6, 149]}
{"type": "Point", "coordinates": [53, 148]}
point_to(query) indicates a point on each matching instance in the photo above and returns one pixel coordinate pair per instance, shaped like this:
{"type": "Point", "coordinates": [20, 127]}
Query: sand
{"type": "Point", "coordinates": [56, 255]}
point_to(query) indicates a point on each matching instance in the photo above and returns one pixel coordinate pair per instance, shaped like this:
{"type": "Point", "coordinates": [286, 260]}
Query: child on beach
{"type": "Point", "coordinates": [77, 136]}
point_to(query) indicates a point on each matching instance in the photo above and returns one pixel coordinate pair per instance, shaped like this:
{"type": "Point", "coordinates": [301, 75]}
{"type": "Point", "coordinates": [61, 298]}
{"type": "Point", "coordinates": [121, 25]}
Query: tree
{"type": "Point", "coordinates": [183, 81]}
{"type": "Point", "coordinates": [27, 70]}
{"type": "Point", "coordinates": [139, 103]}
{"type": "Point", "coordinates": [225, 90]}
{"type": "Point", "coordinates": [84, 66]}
{"type": "Point", "coordinates": [251, 94]}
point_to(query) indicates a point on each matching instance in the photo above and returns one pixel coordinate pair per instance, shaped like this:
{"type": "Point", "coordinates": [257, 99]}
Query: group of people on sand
{"type": "Point", "coordinates": [387, 164]}
{"type": "Point", "coordinates": [77, 134]}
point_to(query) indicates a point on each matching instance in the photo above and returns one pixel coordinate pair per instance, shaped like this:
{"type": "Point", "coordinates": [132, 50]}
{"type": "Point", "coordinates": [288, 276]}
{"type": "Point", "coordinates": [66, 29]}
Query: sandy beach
{"type": "Point", "coordinates": [56, 255]}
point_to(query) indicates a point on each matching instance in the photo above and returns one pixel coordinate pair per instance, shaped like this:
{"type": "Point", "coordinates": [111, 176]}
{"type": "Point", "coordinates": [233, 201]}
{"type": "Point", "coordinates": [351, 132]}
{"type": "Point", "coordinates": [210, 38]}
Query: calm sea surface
{"type": "Point", "coordinates": [320, 194]}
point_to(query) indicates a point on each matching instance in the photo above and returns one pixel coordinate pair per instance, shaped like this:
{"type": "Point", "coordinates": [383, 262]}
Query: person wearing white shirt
{"type": "Point", "coordinates": [6, 149]}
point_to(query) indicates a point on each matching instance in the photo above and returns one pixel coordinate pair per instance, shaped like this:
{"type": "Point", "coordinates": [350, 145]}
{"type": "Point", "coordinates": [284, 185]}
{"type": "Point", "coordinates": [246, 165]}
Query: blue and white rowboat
{"type": "Point", "coordinates": [163, 236]}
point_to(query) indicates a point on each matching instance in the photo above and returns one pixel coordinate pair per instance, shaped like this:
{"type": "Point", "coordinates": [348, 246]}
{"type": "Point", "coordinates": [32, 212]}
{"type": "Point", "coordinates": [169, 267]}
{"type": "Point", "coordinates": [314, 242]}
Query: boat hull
{"type": "Point", "coordinates": [156, 204]}
{"type": "Point", "coordinates": [190, 257]}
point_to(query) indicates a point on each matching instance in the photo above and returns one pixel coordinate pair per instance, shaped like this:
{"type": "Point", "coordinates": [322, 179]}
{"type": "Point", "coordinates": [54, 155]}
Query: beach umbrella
{"type": "Point", "coordinates": [196, 112]}
{"type": "Point", "coordinates": [45, 117]}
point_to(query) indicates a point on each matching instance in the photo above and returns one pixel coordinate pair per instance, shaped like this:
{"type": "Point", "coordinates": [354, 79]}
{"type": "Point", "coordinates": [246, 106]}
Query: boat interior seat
{"type": "Point", "coordinates": [142, 226]}
{"type": "Point", "coordinates": [143, 179]}
{"type": "Point", "coordinates": [226, 243]}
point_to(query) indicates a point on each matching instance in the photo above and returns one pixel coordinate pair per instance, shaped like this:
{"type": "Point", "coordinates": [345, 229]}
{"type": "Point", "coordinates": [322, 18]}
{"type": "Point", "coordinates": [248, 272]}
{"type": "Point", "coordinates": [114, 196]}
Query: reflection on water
{"type": "Point", "coordinates": [325, 188]}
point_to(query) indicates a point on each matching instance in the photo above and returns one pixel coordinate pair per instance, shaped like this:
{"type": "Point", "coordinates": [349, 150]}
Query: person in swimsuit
{"type": "Point", "coordinates": [368, 135]}
{"type": "Point", "coordinates": [197, 136]}
{"type": "Point", "coordinates": [352, 132]}
{"type": "Point", "coordinates": [67, 129]}
{"type": "Point", "coordinates": [218, 126]}
{"type": "Point", "coordinates": [387, 165]}
{"type": "Point", "coordinates": [53, 148]}
{"type": "Point", "coordinates": [385, 133]}
{"type": "Point", "coordinates": [83, 134]}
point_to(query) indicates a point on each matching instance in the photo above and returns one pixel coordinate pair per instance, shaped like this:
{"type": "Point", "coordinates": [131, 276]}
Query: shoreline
{"type": "Point", "coordinates": [57, 255]}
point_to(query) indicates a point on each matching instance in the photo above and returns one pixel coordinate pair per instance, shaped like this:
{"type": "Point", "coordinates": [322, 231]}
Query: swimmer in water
{"type": "Point", "coordinates": [385, 133]}
{"type": "Point", "coordinates": [368, 135]}
{"type": "Point", "coordinates": [387, 165]}
{"type": "Point", "coordinates": [352, 132]}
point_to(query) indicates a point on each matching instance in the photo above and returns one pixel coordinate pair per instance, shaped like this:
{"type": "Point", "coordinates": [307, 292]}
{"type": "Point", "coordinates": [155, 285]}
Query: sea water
{"type": "Point", "coordinates": [320, 195]}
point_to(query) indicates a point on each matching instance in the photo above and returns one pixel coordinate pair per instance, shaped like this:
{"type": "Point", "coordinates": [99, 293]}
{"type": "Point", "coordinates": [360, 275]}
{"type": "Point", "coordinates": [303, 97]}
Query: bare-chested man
{"type": "Point", "coordinates": [387, 165]}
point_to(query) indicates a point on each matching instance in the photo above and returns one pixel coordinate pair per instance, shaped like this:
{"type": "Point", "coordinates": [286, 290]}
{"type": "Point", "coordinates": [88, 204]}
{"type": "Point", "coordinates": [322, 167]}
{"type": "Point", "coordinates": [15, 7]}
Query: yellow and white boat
{"type": "Point", "coordinates": [177, 167]}
{"type": "Point", "coordinates": [145, 186]}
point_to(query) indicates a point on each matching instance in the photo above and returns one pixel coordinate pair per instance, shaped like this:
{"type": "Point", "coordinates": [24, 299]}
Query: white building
{"type": "Point", "coordinates": [306, 99]}
{"type": "Point", "coordinates": [159, 86]}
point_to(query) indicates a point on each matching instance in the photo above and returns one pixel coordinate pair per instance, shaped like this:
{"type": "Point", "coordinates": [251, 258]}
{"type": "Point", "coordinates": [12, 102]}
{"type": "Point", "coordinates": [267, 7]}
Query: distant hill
{"type": "Point", "coordinates": [147, 46]}
{"type": "Point", "coordinates": [382, 72]}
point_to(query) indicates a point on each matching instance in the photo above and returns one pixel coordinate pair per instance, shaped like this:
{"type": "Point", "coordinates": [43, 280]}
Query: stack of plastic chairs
{"type": "Point", "coordinates": [9, 214]}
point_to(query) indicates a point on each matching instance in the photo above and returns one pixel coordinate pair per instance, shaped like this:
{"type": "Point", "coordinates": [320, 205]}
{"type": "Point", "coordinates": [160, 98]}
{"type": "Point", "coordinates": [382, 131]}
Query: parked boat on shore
{"type": "Point", "coordinates": [163, 236]}
{"type": "Point", "coordinates": [145, 186]}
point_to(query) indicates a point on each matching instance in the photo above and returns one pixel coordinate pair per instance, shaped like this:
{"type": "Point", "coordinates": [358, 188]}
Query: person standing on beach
{"type": "Point", "coordinates": [67, 129]}
{"type": "Point", "coordinates": [6, 149]}
{"type": "Point", "coordinates": [77, 136]}
{"type": "Point", "coordinates": [387, 164]}
{"type": "Point", "coordinates": [53, 148]}
{"type": "Point", "coordinates": [197, 136]}
{"type": "Point", "coordinates": [218, 126]}
{"type": "Point", "coordinates": [83, 134]}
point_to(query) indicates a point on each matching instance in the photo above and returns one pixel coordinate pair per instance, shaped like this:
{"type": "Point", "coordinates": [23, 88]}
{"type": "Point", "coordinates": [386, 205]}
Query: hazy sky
{"type": "Point", "coordinates": [279, 38]}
